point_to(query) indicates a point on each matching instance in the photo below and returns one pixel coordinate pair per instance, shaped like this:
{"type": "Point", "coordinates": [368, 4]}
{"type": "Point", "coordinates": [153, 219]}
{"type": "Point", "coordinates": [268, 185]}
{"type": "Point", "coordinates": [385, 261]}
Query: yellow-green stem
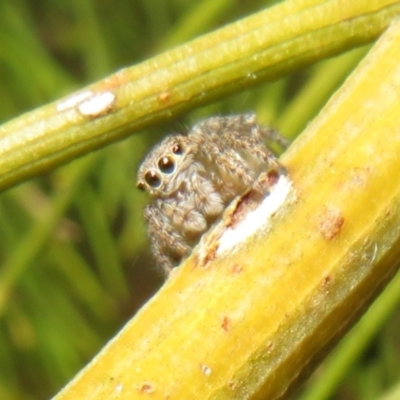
{"type": "Point", "coordinates": [264, 46]}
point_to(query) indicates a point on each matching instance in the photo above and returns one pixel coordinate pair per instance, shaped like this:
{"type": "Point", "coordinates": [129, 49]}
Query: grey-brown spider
{"type": "Point", "coordinates": [192, 178]}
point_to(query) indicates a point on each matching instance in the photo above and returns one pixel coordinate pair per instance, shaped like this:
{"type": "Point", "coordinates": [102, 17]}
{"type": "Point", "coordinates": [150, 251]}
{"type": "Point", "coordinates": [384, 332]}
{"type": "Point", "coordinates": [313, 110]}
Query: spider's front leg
{"type": "Point", "coordinates": [167, 243]}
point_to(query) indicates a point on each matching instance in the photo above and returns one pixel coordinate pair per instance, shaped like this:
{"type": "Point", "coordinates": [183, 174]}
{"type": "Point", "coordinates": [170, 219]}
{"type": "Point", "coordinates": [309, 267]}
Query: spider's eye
{"type": "Point", "coordinates": [141, 186]}
{"type": "Point", "coordinates": [177, 149]}
{"type": "Point", "coordinates": [166, 165]}
{"type": "Point", "coordinates": [152, 179]}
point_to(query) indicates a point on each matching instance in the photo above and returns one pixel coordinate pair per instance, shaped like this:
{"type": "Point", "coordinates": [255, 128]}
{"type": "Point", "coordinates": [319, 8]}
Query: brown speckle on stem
{"type": "Point", "coordinates": [147, 387]}
{"type": "Point", "coordinates": [330, 222]}
{"type": "Point", "coordinates": [226, 323]}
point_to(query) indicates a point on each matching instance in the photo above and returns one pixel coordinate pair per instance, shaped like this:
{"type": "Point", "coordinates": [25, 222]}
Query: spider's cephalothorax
{"type": "Point", "coordinates": [192, 178]}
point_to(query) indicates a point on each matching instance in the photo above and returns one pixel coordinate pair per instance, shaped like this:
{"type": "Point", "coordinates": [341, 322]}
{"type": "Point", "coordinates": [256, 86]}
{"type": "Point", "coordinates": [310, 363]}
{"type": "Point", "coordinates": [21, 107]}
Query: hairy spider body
{"type": "Point", "coordinates": [192, 178]}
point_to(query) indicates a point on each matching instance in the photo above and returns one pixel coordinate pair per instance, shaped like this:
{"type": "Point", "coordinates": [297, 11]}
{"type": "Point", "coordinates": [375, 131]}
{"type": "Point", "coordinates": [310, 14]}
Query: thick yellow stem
{"type": "Point", "coordinates": [245, 323]}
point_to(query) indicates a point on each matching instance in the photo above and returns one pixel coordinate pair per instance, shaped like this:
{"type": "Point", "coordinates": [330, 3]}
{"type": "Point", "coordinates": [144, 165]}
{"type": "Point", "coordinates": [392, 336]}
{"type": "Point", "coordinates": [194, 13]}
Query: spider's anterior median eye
{"type": "Point", "coordinates": [166, 165]}
{"type": "Point", "coordinates": [152, 179]}
{"type": "Point", "coordinates": [177, 148]}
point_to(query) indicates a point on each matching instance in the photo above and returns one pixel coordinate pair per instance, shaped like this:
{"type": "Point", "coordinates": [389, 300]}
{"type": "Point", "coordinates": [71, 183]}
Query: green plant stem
{"type": "Point", "coordinates": [266, 45]}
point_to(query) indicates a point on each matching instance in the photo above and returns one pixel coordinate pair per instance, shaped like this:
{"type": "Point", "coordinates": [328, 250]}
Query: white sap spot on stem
{"type": "Point", "coordinates": [206, 370]}
{"type": "Point", "coordinates": [118, 388]}
{"type": "Point", "coordinates": [97, 105]}
{"type": "Point", "coordinates": [258, 218]}
{"type": "Point", "coordinates": [89, 103]}
{"type": "Point", "coordinates": [75, 99]}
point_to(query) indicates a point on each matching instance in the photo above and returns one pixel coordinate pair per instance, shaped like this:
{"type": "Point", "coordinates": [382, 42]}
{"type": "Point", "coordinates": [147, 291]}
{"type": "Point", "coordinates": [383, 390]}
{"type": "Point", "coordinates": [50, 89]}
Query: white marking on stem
{"type": "Point", "coordinates": [258, 218]}
{"type": "Point", "coordinates": [73, 100]}
{"type": "Point", "coordinates": [206, 370]}
{"type": "Point", "coordinates": [97, 105]}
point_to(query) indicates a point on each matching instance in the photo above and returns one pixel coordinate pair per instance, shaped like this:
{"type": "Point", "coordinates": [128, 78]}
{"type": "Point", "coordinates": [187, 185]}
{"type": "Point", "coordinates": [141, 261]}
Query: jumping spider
{"type": "Point", "coordinates": [192, 178]}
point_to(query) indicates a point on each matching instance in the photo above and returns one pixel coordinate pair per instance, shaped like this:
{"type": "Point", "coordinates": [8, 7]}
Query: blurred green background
{"type": "Point", "coordinates": [75, 263]}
